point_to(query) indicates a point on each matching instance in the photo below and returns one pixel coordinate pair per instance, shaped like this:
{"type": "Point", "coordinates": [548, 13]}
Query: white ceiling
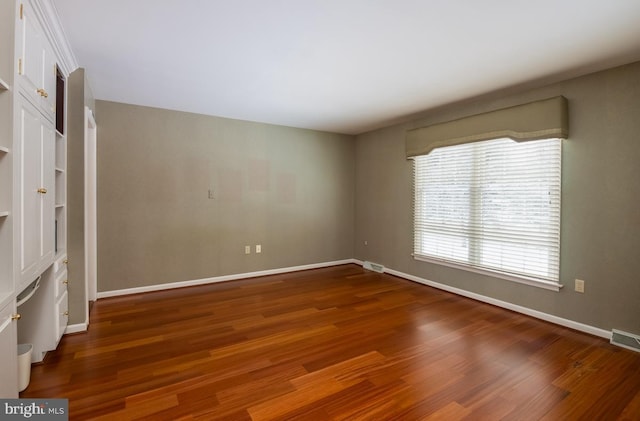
{"type": "Point", "coordinates": [344, 66]}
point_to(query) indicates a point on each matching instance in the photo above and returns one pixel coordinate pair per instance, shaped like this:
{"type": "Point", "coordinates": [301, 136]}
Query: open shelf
{"type": "Point", "coordinates": [4, 149]}
{"type": "Point", "coordinates": [4, 86]}
{"type": "Point", "coordinates": [59, 170]}
{"type": "Point", "coordinates": [61, 151]}
{"type": "Point", "coordinates": [4, 214]}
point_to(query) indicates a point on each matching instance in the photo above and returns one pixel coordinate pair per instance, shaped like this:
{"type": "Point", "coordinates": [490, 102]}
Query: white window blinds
{"type": "Point", "coordinates": [492, 205]}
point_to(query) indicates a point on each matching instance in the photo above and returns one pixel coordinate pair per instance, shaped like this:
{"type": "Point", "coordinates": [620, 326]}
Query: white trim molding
{"type": "Point", "coordinates": [224, 278]}
{"type": "Point", "coordinates": [48, 15]}
{"type": "Point", "coordinates": [478, 297]}
{"type": "Point", "coordinates": [504, 304]}
{"type": "Point", "coordinates": [538, 283]}
{"type": "Point", "coordinates": [80, 327]}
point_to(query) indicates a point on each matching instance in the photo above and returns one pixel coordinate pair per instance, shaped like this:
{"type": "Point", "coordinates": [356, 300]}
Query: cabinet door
{"type": "Point", "coordinates": [37, 208]}
{"type": "Point", "coordinates": [8, 354]}
{"type": "Point", "coordinates": [30, 200]}
{"type": "Point", "coordinates": [49, 83]}
{"type": "Point", "coordinates": [30, 53]}
{"type": "Point", "coordinates": [36, 63]}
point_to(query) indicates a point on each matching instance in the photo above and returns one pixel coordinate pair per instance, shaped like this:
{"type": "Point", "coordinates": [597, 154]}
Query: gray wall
{"type": "Point", "coordinates": [78, 96]}
{"type": "Point", "coordinates": [290, 190]}
{"type": "Point", "coordinates": [300, 193]}
{"type": "Point", "coordinates": [600, 202]}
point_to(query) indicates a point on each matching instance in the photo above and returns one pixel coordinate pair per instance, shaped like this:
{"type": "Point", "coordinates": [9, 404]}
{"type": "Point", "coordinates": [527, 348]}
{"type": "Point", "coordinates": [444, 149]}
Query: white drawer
{"type": "Point", "coordinates": [61, 283]}
{"type": "Point", "coordinates": [60, 264]}
{"type": "Point", "coordinates": [62, 316]}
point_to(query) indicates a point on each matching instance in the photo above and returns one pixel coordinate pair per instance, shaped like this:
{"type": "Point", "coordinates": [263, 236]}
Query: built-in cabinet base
{"type": "Point", "coordinates": [44, 316]}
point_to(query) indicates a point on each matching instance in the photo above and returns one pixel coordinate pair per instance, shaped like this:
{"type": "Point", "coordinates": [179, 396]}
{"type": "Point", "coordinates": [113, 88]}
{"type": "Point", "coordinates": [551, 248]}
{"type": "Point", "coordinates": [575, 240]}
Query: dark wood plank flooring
{"type": "Point", "coordinates": [337, 343]}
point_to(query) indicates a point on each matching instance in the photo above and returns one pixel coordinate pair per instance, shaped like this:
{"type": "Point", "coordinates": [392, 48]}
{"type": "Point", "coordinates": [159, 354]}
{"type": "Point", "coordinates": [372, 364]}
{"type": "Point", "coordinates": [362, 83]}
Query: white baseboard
{"type": "Point", "coordinates": [80, 327]}
{"type": "Point", "coordinates": [499, 303]}
{"type": "Point", "coordinates": [182, 284]}
{"type": "Point", "coordinates": [509, 306]}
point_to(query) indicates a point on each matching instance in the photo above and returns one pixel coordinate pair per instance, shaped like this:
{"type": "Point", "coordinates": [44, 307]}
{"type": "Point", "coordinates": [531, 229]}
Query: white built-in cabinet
{"type": "Point", "coordinates": [40, 199]}
{"type": "Point", "coordinates": [36, 227]}
{"type": "Point", "coordinates": [8, 315]}
{"type": "Point", "coordinates": [33, 272]}
{"type": "Point", "coordinates": [6, 193]}
{"type": "Point", "coordinates": [44, 316]}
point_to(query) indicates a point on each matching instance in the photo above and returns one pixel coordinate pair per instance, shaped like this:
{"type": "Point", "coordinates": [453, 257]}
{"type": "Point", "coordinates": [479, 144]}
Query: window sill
{"type": "Point", "coordinates": [551, 286]}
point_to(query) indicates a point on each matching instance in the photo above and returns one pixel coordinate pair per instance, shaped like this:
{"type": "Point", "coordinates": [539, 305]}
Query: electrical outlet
{"type": "Point", "coordinates": [247, 249]}
{"type": "Point", "coordinates": [579, 285]}
{"type": "Point", "coordinates": [258, 248]}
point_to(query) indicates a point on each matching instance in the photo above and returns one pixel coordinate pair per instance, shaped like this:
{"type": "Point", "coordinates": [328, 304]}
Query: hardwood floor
{"type": "Point", "coordinates": [338, 343]}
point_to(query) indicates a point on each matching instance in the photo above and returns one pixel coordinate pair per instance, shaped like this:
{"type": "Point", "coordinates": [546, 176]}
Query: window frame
{"type": "Point", "coordinates": [474, 267]}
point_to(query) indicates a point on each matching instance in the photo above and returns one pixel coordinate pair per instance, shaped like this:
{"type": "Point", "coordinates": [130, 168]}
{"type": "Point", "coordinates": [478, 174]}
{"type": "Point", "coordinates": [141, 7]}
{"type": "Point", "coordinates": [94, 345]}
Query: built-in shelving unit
{"type": "Point", "coordinates": [8, 317]}
{"type": "Point", "coordinates": [38, 188]}
{"type": "Point", "coordinates": [60, 167]}
{"type": "Point", "coordinates": [6, 174]}
{"type": "Point", "coordinates": [33, 185]}
{"type": "Point", "coordinates": [4, 201]}
{"type": "Point", "coordinates": [5, 187]}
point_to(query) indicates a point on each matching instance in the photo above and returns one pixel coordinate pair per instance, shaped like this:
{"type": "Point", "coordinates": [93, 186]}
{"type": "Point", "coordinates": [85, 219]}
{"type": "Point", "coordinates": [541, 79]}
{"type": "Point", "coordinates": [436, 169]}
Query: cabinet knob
{"type": "Point", "coordinates": [42, 190]}
{"type": "Point", "coordinates": [65, 261]}
{"type": "Point", "coordinates": [43, 93]}
{"type": "Point", "coordinates": [66, 282]}
{"type": "Point", "coordinates": [16, 316]}
{"type": "Point", "coordinates": [66, 313]}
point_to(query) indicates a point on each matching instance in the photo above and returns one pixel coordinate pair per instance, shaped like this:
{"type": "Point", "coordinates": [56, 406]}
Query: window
{"type": "Point", "coordinates": [491, 206]}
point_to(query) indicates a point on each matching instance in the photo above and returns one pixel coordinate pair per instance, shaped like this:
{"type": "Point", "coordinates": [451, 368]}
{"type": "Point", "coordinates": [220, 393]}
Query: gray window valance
{"type": "Point", "coordinates": [536, 120]}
